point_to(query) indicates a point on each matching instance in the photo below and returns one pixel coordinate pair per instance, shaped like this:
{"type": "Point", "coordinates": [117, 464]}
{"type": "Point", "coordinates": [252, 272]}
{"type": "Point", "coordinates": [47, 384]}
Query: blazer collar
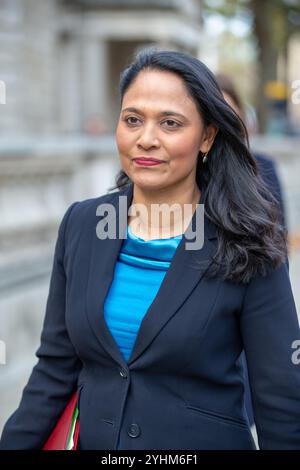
{"type": "Point", "coordinates": [185, 272]}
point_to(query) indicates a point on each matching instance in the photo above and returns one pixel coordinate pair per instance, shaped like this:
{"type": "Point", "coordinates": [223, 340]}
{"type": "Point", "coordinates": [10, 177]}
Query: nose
{"type": "Point", "coordinates": [148, 138]}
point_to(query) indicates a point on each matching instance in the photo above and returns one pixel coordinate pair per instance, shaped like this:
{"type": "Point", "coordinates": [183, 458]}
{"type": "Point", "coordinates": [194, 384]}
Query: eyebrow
{"type": "Point", "coordinates": [163, 113]}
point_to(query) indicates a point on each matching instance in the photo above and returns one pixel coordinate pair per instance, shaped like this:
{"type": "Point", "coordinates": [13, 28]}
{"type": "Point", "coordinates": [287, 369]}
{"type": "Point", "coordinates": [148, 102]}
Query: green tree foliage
{"type": "Point", "coordinates": [274, 21]}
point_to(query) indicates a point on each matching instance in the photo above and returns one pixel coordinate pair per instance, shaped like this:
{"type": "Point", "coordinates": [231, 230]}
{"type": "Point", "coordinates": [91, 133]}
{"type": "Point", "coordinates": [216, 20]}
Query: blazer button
{"type": "Point", "coordinates": [134, 430]}
{"type": "Point", "coordinates": [123, 373]}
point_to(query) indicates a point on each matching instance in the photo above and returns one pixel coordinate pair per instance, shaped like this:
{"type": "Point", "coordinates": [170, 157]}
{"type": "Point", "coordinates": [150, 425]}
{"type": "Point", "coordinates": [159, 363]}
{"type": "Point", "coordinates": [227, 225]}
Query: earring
{"type": "Point", "coordinates": [204, 160]}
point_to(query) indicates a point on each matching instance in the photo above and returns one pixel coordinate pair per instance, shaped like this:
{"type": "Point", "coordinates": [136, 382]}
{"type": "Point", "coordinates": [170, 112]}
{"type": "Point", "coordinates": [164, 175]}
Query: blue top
{"type": "Point", "coordinates": [139, 272]}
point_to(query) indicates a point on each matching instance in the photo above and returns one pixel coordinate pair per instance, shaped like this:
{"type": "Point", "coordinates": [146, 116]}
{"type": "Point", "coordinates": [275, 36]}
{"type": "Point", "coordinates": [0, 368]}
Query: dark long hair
{"type": "Point", "coordinates": [246, 214]}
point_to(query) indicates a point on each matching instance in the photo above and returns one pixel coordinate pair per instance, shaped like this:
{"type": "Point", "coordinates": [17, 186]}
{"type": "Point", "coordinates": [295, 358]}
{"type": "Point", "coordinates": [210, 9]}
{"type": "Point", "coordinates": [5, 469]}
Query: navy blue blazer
{"type": "Point", "coordinates": [268, 172]}
{"type": "Point", "coordinates": [183, 385]}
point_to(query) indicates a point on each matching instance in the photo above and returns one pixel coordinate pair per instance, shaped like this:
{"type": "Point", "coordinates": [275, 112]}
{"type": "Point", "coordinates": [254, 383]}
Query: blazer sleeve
{"type": "Point", "coordinates": [269, 327]}
{"type": "Point", "coordinates": [53, 378]}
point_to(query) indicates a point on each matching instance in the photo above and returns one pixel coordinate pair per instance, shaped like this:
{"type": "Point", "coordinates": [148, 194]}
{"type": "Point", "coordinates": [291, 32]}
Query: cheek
{"type": "Point", "coordinates": [185, 146]}
{"type": "Point", "coordinates": [122, 139]}
{"type": "Point", "coordinates": [118, 137]}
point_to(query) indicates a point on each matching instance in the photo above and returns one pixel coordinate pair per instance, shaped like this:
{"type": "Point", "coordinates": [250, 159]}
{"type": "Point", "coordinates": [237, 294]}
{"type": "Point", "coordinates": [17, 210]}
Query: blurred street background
{"type": "Point", "coordinates": [60, 62]}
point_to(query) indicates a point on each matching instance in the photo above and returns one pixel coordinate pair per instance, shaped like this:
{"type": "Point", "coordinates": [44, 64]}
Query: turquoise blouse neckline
{"type": "Point", "coordinates": [135, 237]}
{"type": "Point", "coordinates": [151, 254]}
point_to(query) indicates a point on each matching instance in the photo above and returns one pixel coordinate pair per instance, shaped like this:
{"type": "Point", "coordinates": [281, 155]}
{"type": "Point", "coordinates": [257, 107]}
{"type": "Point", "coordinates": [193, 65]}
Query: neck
{"type": "Point", "coordinates": [162, 213]}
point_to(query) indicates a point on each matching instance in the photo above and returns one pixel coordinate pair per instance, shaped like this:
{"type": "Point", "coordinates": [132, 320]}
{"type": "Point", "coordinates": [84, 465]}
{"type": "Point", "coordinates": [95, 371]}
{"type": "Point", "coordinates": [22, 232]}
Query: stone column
{"type": "Point", "coordinates": [69, 87]}
{"type": "Point", "coordinates": [95, 86]}
{"type": "Point", "coordinates": [11, 62]}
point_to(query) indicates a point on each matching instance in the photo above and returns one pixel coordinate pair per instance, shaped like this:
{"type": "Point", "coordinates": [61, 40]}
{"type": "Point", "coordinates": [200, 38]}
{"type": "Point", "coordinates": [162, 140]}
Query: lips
{"type": "Point", "coordinates": [146, 162]}
{"type": "Point", "coordinates": [150, 159]}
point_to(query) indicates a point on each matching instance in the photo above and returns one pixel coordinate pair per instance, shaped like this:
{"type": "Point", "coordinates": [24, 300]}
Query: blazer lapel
{"type": "Point", "coordinates": [103, 257]}
{"type": "Point", "coordinates": [179, 281]}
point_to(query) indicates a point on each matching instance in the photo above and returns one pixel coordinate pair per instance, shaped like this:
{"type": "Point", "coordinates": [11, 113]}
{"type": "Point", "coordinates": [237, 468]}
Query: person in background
{"type": "Point", "coordinates": [266, 165]}
{"type": "Point", "coordinates": [269, 174]}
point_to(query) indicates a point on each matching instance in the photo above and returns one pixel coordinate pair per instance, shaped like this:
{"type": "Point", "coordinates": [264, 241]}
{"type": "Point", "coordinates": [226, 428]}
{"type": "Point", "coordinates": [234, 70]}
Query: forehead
{"type": "Point", "coordinates": [159, 88]}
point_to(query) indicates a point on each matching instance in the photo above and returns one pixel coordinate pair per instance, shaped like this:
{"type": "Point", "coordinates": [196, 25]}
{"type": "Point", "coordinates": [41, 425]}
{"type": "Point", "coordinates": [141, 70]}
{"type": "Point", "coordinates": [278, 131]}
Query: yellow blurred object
{"type": "Point", "coordinates": [276, 90]}
{"type": "Point", "coordinates": [294, 241]}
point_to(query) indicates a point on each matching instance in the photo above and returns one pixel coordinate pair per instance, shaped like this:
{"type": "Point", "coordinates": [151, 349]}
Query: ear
{"type": "Point", "coordinates": [209, 135]}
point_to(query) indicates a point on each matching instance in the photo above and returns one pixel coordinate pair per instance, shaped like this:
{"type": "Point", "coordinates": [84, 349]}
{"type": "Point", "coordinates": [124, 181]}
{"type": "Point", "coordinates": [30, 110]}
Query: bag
{"type": "Point", "coordinates": [65, 434]}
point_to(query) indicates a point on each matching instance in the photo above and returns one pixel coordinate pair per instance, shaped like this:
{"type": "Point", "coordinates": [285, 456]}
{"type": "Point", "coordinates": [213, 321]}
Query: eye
{"type": "Point", "coordinates": [133, 120]}
{"type": "Point", "coordinates": [172, 123]}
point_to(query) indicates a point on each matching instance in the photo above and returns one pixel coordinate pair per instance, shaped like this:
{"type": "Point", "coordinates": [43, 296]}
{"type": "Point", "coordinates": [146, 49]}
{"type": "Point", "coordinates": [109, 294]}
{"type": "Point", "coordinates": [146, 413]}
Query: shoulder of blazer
{"type": "Point", "coordinates": [81, 213]}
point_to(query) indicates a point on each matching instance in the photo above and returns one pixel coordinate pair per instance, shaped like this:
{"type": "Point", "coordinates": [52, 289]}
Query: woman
{"type": "Point", "coordinates": [148, 329]}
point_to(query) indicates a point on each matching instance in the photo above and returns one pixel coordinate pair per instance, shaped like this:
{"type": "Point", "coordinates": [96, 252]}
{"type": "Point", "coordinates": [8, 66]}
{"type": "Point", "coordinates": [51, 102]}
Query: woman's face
{"type": "Point", "coordinates": [159, 119]}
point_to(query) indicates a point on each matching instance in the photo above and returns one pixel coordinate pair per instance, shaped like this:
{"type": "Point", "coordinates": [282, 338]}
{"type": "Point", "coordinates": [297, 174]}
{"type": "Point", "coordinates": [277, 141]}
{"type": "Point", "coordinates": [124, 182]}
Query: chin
{"type": "Point", "coordinates": [148, 183]}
